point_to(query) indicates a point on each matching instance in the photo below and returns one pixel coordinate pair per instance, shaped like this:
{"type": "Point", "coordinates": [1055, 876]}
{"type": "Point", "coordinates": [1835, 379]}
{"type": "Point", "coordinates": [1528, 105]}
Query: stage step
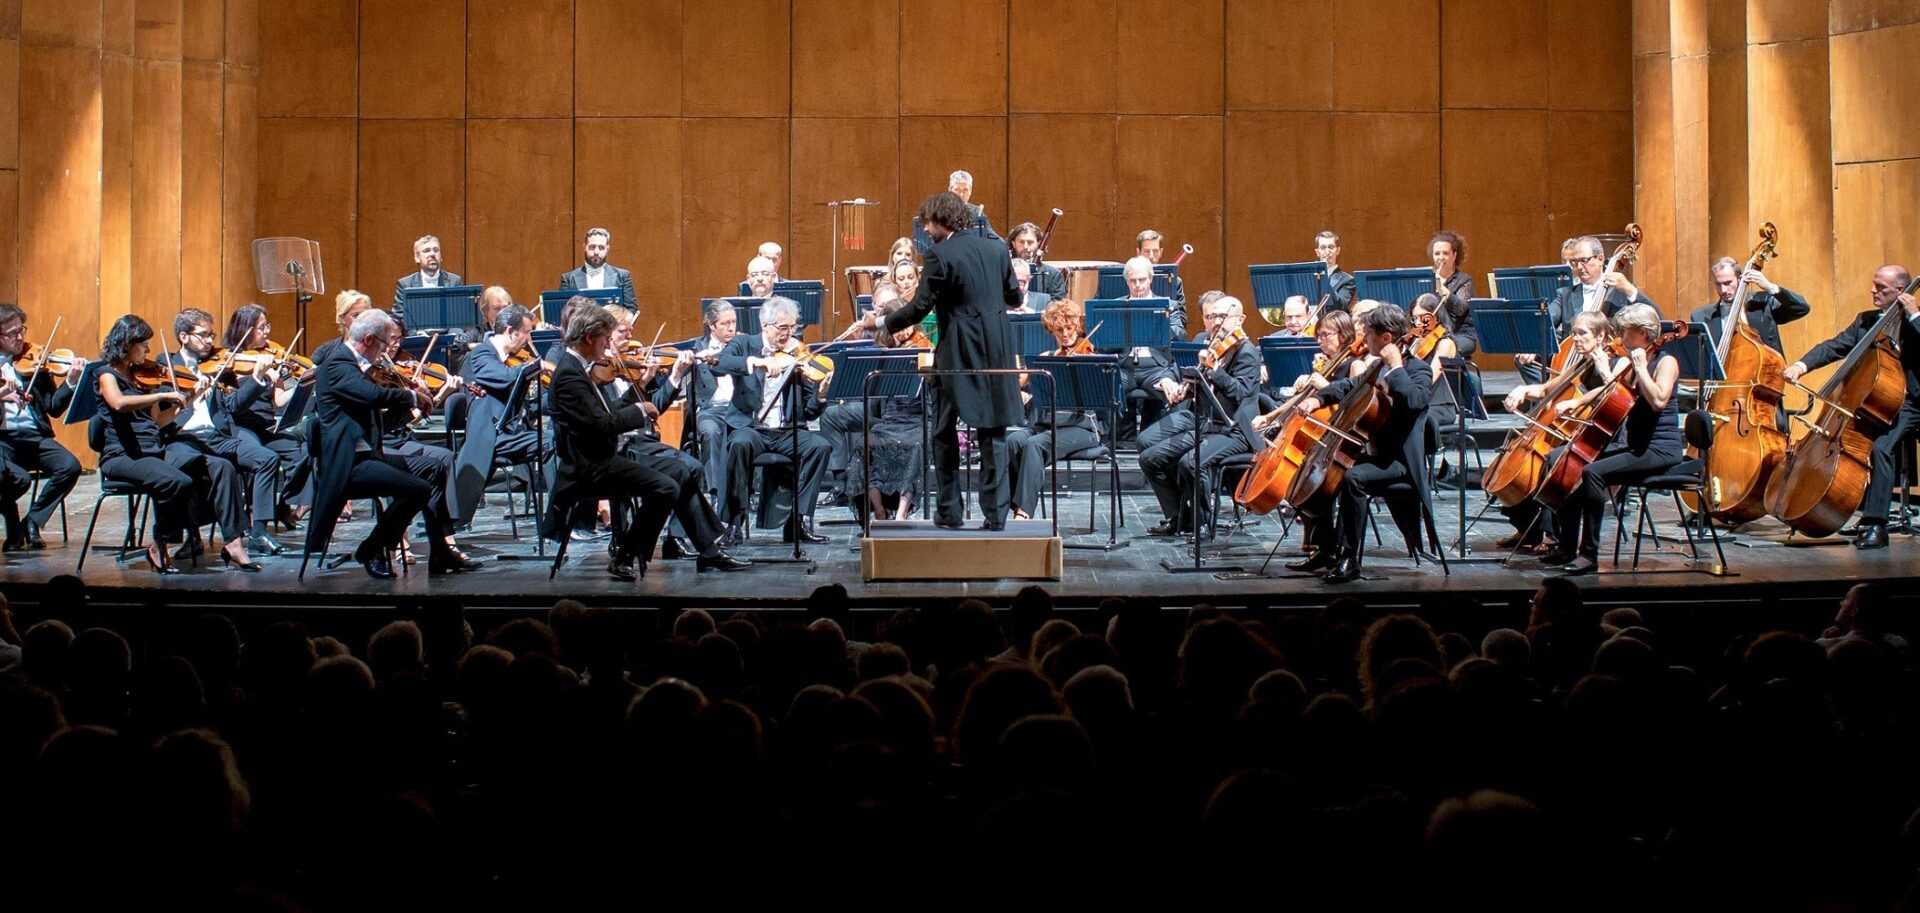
{"type": "Point", "coordinates": [919, 550]}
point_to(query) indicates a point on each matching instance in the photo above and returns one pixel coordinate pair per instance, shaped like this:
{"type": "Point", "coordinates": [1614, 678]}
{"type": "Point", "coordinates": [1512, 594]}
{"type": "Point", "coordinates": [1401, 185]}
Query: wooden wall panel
{"type": "Point", "coordinates": [733, 197]}
{"type": "Point", "coordinates": [1377, 229]}
{"type": "Point", "coordinates": [156, 29]}
{"type": "Point", "coordinates": [9, 236]}
{"type": "Point", "coordinates": [312, 164]}
{"type": "Point", "coordinates": [640, 206]}
{"type": "Point", "coordinates": [116, 186]}
{"type": "Point", "coordinates": [9, 103]}
{"type": "Point", "coordinates": [847, 58]}
{"type": "Point", "coordinates": [1727, 144]}
{"type": "Point", "coordinates": [735, 59]}
{"type": "Point", "coordinates": [1278, 55]}
{"type": "Point", "coordinates": [243, 34]}
{"type": "Point", "coordinates": [627, 59]}
{"type": "Point", "coordinates": [1493, 55]}
{"type": "Point", "coordinates": [1172, 62]}
{"type": "Point", "coordinates": [413, 59]}
{"type": "Point", "coordinates": [1080, 76]}
{"type": "Point", "coordinates": [1497, 202]}
{"type": "Point", "coordinates": [1653, 174]}
{"type": "Point", "coordinates": [520, 193]}
{"type": "Point", "coordinates": [1691, 193]}
{"type": "Point", "coordinates": [317, 76]}
{"type": "Point", "coordinates": [61, 23]}
{"type": "Point", "coordinates": [240, 190]}
{"type": "Point", "coordinates": [60, 154]}
{"type": "Point", "coordinates": [1396, 66]}
{"type": "Point", "coordinates": [156, 166]}
{"type": "Point", "coordinates": [1652, 27]}
{"type": "Point", "coordinates": [520, 58]}
{"type": "Point", "coordinates": [203, 29]}
{"type": "Point", "coordinates": [1587, 69]}
{"type": "Point", "coordinates": [1846, 16]}
{"type": "Point", "coordinates": [1875, 227]}
{"type": "Point", "coordinates": [931, 148]}
{"type": "Point", "coordinates": [1792, 181]}
{"type": "Point", "coordinates": [1068, 161]}
{"type": "Point", "coordinates": [1273, 213]}
{"type": "Point", "coordinates": [974, 31]}
{"type": "Point", "coordinates": [201, 162]}
{"type": "Point", "coordinates": [10, 18]}
{"type": "Point", "coordinates": [413, 176]}
{"type": "Point", "coordinates": [1874, 75]}
{"type": "Point", "coordinates": [116, 26]}
{"type": "Point", "coordinates": [1169, 180]}
{"type": "Point", "coordinates": [1590, 180]}
{"type": "Point", "coordinates": [1769, 21]}
{"type": "Point", "coordinates": [840, 159]}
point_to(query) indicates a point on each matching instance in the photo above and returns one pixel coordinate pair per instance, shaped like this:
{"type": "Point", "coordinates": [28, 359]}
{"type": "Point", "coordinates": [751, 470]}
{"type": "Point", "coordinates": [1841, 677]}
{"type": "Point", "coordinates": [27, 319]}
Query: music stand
{"type": "Point", "coordinates": [1123, 329]}
{"type": "Point", "coordinates": [1085, 383]}
{"type": "Point", "coordinates": [553, 301]}
{"type": "Point", "coordinates": [295, 413]}
{"type": "Point", "coordinates": [1397, 286]}
{"type": "Point", "coordinates": [454, 307]}
{"type": "Point", "coordinates": [1518, 282]}
{"type": "Point", "coordinates": [1287, 357]}
{"type": "Point", "coordinates": [1187, 354]}
{"type": "Point", "coordinates": [1274, 283]}
{"type": "Point", "coordinates": [1030, 336]}
{"type": "Point", "coordinates": [86, 395]}
{"type": "Point", "coordinates": [1113, 280]}
{"type": "Point", "coordinates": [746, 311]}
{"type": "Point", "coordinates": [1514, 327]}
{"type": "Point", "coordinates": [808, 293]}
{"type": "Point", "coordinates": [290, 265]}
{"type": "Point", "coordinates": [1699, 362]}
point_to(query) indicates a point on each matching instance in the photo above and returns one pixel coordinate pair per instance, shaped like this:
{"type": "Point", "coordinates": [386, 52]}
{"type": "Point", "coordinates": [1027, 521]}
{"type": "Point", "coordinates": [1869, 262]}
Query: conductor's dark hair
{"type": "Point", "coordinates": [947, 209]}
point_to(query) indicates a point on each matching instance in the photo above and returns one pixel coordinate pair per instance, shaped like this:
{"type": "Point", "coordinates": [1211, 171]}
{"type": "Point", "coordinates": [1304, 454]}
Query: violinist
{"type": "Point", "coordinates": [1535, 526]}
{"type": "Point", "coordinates": [428, 461]}
{"type": "Point", "coordinates": [28, 405]}
{"type": "Point", "coordinates": [492, 371]}
{"type": "Point", "coordinates": [1396, 451]}
{"type": "Point", "coordinates": [348, 398]}
{"type": "Point", "coordinates": [259, 418]}
{"type": "Point", "coordinates": [710, 391]}
{"type": "Point", "coordinates": [1430, 340]}
{"type": "Point", "coordinates": [1649, 442]}
{"type": "Point", "coordinates": [762, 368]}
{"type": "Point", "coordinates": [1166, 449]}
{"type": "Point", "coordinates": [208, 423]}
{"type": "Point", "coordinates": [1050, 434]}
{"type": "Point", "coordinates": [1889, 286]}
{"type": "Point", "coordinates": [139, 448]}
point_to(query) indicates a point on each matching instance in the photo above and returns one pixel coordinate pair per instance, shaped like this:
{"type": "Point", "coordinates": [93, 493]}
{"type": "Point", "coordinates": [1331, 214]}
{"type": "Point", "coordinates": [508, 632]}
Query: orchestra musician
{"type": "Point", "coordinates": [761, 275]}
{"type": "Point", "coordinates": [259, 419]}
{"type": "Point", "coordinates": [1149, 371]}
{"type": "Point", "coordinates": [1594, 290]}
{"type": "Point", "coordinates": [1024, 243]}
{"type": "Point", "coordinates": [1294, 316]}
{"type": "Point", "coordinates": [1050, 434]}
{"type": "Point", "coordinates": [428, 461]}
{"type": "Point", "coordinates": [1031, 302]}
{"type": "Point", "coordinates": [1535, 523]}
{"type": "Point", "coordinates": [1426, 314]}
{"type": "Point", "coordinates": [1395, 452]}
{"type": "Point", "coordinates": [1454, 287]}
{"type": "Point", "coordinates": [596, 272]}
{"type": "Point", "coordinates": [1340, 283]}
{"type": "Point", "coordinates": [841, 422]}
{"type": "Point", "coordinates": [902, 251]}
{"type": "Point", "coordinates": [711, 391]}
{"type": "Point", "coordinates": [426, 253]}
{"type": "Point", "coordinates": [1148, 245]}
{"type": "Point", "coordinates": [1166, 449]}
{"type": "Point", "coordinates": [1334, 335]}
{"type": "Point", "coordinates": [26, 435]}
{"type": "Point", "coordinates": [183, 480]}
{"type": "Point", "coordinates": [762, 367]}
{"type": "Point", "coordinates": [1649, 441]}
{"type": "Point", "coordinates": [1767, 308]}
{"type": "Point", "coordinates": [771, 250]}
{"type": "Point", "coordinates": [491, 381]}
{"type": "Point", "coordinates": [1889, 286]}
{"type": "Point", "coordinates": [960, 184]}
{"type": "Point", "coordinates": [209, 426]}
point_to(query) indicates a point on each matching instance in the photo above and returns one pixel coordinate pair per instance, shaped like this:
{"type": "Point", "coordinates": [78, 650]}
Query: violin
{"type": "Point", "coordinates": [1220, 347]}
{"type": "Point", "coordinates": [38, 359]}
{"type": "Point", "coordinates": [1425, 337]}
{"type": "Point", "coordinates": [813, 367]}
{"type": "Point", "coordinates": [918, 340]}
{"type": "Point", "coordinates": [525, 355]}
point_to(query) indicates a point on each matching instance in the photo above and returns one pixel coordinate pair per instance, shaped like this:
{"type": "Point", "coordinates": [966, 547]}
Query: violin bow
{"type": "Point", "coordinates": [46, 352]}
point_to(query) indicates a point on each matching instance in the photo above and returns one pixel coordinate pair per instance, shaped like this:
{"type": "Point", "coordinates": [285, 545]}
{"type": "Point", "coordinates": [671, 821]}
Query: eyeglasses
{"type": "Point", "coordinates": [206, 334]}
{"type": "Point", "coordinates": [1576, 261]}
{"type": "Point", "coordinates": [782, 327]}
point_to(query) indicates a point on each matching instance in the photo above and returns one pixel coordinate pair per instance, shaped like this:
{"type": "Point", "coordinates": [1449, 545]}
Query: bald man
{"type": "Point", "coordinates": [761, 275]}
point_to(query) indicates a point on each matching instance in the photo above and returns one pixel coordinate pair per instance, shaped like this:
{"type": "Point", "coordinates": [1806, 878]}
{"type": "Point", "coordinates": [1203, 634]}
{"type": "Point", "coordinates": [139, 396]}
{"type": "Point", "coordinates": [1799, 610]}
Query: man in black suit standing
{"type": "Point", "coordinates": [426, 252]}
{"type": "Point", "coordinates": [968, 284]}
{"type": "Point", "coordinates": [1340, 285]}
{"type": "Point", "coordinates": [595, 272]}
{"type": "Point", "coordinates": [1766, 309]}
{"type": "Point", "coordinates": [348, 460]}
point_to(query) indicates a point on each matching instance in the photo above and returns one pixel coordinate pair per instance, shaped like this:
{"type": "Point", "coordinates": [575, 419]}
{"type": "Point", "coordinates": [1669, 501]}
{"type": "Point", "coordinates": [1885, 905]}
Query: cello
{"type": "Point", "coordinates": [1516, 470]}
{"type": "Point", "coordinates": [1748, 445]}
{"type": "Point", "coordinates": [1339, 443]}
{"type": "Point", "coordinates": [1595, 426]}
{"type": "Point", "coordinates": [1264, 485]}
{"type": "Point", "coordinates": [1825, 478]}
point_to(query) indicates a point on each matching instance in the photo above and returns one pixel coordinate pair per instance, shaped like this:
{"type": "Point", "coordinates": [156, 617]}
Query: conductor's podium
{"type": "Point", "coordinates": [919, 550]}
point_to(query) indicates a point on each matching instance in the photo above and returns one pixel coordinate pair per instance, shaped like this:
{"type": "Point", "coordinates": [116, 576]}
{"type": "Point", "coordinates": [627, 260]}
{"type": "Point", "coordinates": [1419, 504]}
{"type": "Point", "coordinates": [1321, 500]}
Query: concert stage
{"type": "Point", "coordinates": [1768, 569]}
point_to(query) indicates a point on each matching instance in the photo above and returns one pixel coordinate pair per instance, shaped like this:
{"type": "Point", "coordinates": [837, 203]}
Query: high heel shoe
{"type": "Point", "coordinates": [157, 559]}
{"type": "Point", "coordinates": [249, 565]}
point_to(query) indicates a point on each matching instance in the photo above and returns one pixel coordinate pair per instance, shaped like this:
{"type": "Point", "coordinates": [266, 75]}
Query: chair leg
{"type": "Point", "coordinates": [87, 543]}
{"type": "Point", "coordinates": [1433, 532]}
{"type": "Point", "coordinates": [1693, 550]}
{"type": "Point", "coordinates": [1641, 524]}
{"type": "Point", "coordinates": [1714, 532]}
{"type": "Point", "coordinates": [559, 557]}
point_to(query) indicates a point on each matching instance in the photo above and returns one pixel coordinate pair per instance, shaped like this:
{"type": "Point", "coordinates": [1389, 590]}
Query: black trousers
{"type": "Point", "coordinates": [1033, 448]}
{"type": "Point", "coordinates": [223, 500]}
{"type": "Point", "coordinates": [841, 424]}
{"type": "Point", "coordinates": [1531, 519]}
{"type": "Point", "coordinates": [175, 481]}
{"type": "Point", "coordinates": [1339, 521]}
{"type": "Point", "coordinates": [297, 487]}
{"type": "Point", "coordinates": [744, 444]}
{"type": "Point", "coordinates": [1580, 515]}
{"type": "Point", "coordinates": [692, 510]}
{"type": "Point", "coordinates": [433, 463]}
{"type": "Point", "coordinates": [23, 452]}
{"type": "Point", "coordinates": [712, 425]}
{"type": "Point", "coordinates": [388, 476]}
{"type": "Point", "coordinates": [657, 485]}
{"type": "Point", "coordinates": [1880, 484]}
{"type": "Point", "coordinates": [254, 461]}
{"type": "Point", "coordinates": [1166, 458]}
{"type": "Point", "coordinates": [949, 501]}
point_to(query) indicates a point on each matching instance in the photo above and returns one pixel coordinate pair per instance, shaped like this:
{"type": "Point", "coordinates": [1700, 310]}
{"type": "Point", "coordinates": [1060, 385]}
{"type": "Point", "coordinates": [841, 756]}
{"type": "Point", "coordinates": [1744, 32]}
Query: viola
{"type": "Point", "coordinates": [1425, 337]}
{"type": "Point", "coordinates": [1596, 424]}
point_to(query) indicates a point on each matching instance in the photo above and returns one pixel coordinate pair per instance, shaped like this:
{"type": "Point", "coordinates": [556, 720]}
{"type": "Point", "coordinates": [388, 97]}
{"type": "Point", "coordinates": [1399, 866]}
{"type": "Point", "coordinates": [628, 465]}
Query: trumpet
{"type": "Point", "coordinates": [1185, 249]}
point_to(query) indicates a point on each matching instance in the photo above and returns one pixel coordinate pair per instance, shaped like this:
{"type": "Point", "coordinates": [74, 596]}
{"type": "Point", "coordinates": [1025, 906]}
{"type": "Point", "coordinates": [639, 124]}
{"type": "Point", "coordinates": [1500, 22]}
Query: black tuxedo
{"type": "Point", "coordinates": [25, 450]}
{"type": "Point", "coordinates": [413, 280]}
{"type": "Point", "coordinates": [1398, 452]}
{"type": "Point", "coordinates": [968, 284]}
{"type": "Point", "coordinates": [484, 440]}
{"type": "Point", "coordinates": [349, 463]}
{"type": "Point", "coordinates": [1166, 449]}
{"type": "Point", "coordinates": [614, 276]}
{"type": "Point", "coordinates": [1906, 332]}
{"type": "Point", "coordinates": [1340, 287]}
{"type": "Point", "coordinates": [751, 436]}
{"type": "Point", "coordinates": [586, 438]}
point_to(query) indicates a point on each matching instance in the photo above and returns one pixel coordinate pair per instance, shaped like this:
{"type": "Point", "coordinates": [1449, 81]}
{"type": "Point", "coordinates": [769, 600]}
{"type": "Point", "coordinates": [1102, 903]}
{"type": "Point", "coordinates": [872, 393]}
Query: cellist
{"type": "Point", "coordinates": [1889, 285]}
{"type": "Point", "coordinates": [1399, 445]}
{"type": "Point", "coordinates": [1531, 519]}
{"type": "Point", "coordinates": [1649, 441]}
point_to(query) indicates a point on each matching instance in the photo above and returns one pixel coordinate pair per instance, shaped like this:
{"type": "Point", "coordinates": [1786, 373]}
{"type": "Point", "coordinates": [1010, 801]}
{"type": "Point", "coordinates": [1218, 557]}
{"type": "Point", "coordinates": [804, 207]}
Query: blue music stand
{"type": "Point", "coordinates": [1187, 354]}
{"type": "Point", "coordinates": [1087, 383]}
{"type": "Point", "coordinates": [1113, 280]}
{"type": "Point", "coordinates": [416, 344]}
{"type": "Point", "coordinates": [746, 311]}
{"type": "Point", "coordinates": [1274, 283]}
{"type": "Point", "coordinates": [1699, 359]}
{"type": "Point", "coordinates": [852, 364]}
{"type": "Point", "coordinates": [1030, 336]}
{"type": "Point", "coordinates": [1396, 286]}
{"type": "Point", "coordinates": [296, 410]}
{"type": "Point", "coordinates": [553, 301]}
{"type": "Point", "coordinates": [86, 397]}
{"type": "Point", "coordinates": [809, 293]}
{"type": "Point", "coordinates": [1518, 282]}
{"type": "Point", "coordinates": [1287, 358]}
{"type": "Point", "coordinates": [1123, 329]}
{"type": "Point", "coordinates": [450, 308]}
{"type": "Point", "coordinates": [1513, 327]}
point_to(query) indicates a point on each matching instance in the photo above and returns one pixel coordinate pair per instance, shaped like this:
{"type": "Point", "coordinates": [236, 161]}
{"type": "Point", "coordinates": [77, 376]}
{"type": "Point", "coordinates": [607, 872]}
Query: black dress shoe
{"type": "Point", "coordinates": [993, 525]}
{"type": "Point", "coordinates": [450, 563]}
{"type": "Point", "coordinates": [1851, 531]}
{"type": "Point", "coordinates": [721, 561]}
{"type": "Point", "coordinates": [622, 569]}
{"type": "Point", "coordinates": [806, 535]}
{"type": "Point", "coordinates": [14, 545]}
{"type": "Point", "coordinates": [676, 547]}
{"type": "Point", "coordinates": [1346, 571]}
{"type": "Point", "coordinates": [251, 567]}
{"type": "Point", "coordinates": [1556, 558]}
{"type": "Point", "coordinates": [948, 522]}
{"type": "Point", "coordinates": [1318, 561]}
{"type": "Point", "coordinates": [375, 561]}
{"type": "Point", "coordinates": [188, 550]}
{"type": "Point", "coordinates": [1581, 566]}
{"type": "Point", "coordinates": [834, 498]}
{"type": "Point", "coordinates": [1872, 535]}
{"type": "Point", "coordinates": [33, 539]}
{"type": "Point", "coordinates": [284, 516]}
{"type": "Point", "coordinates": [1162, 528]}
{"type": "Point", "coordinates": [264, 544]}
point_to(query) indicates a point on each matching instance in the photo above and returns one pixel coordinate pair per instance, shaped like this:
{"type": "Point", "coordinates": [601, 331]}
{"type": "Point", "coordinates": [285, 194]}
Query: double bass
{"type": "Point", "coordinates": [1748, 445]}
{"type": "Point", "coordinates": [1596, 425]}
{"type": "Point", "coordinates": [1824, 479]}
{"type": "Point", "coordinates": [1265, 484]}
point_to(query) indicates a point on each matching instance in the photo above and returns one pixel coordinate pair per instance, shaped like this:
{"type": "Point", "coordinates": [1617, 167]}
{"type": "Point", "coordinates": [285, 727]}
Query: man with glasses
{"type": "Point", "coordinates": [761, 275]}
{"type": "Point", "coordinates": [1593, 291]}
{"type": "Point", "coordinates": [26, 436]}
{"type": "Point", "coordinates": [763, 416]}
{"type": "Point", "coordinates": [1294, 319]}
{"type": "Point", "coordinates": [208, 425]}
{"type": "Point", "coordinates": [1340, 285]}
{"type": "Point", "coordinates": [711, 393]}
{"type": "Point", "coordinates": [1166, 449]}
{"type": "Point", "coordinates": [596, 272]}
